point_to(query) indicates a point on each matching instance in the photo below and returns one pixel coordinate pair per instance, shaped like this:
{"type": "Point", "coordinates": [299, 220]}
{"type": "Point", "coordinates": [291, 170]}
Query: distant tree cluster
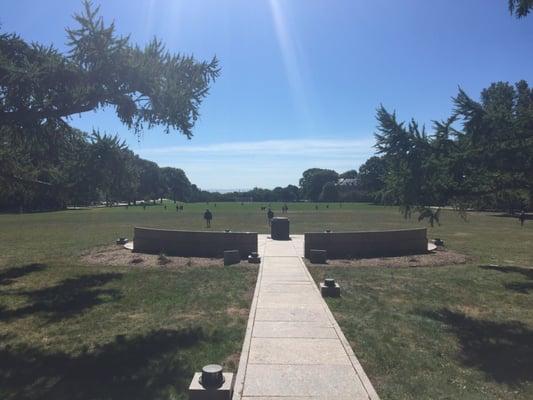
{"type": "Point", "coordinates": [81, 169]}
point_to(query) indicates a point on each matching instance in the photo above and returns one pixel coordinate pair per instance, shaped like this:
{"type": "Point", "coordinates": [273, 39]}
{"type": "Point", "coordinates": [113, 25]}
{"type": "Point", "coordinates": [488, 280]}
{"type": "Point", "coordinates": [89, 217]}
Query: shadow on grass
{"type": "Point", "coordinates": [139, 367]}
{"type": "Point", "coordinates": [522, 287]}
{"type": "Point", "coordinates": [8, 276]}
{"type": "Point", "coordinates": [515, 216]}
{"type": "Point", "coordinates": [503, 350]}
{"type": "Point", "coordinates": [68, 298]}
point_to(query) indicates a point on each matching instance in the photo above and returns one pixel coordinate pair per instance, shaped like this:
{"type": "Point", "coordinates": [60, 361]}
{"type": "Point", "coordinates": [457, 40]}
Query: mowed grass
{"type": "Point", "coordinates": [63, 235]}
{"type": "Point", "coordinates": [73, 331]}
{"type": "Point", "coordinates": [455, 332]}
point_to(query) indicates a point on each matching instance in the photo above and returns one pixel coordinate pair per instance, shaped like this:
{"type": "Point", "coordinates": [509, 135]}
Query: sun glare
{"type": "Point", "coordinates": [292, 60]}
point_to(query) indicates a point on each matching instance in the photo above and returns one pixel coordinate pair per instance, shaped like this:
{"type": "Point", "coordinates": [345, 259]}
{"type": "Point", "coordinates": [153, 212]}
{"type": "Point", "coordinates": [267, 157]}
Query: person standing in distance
{"type": "Point", "coordinates": [270, 215]}
{"type": "Point", "coordinates": [522, 217]}
{"type": "Point", "coordinates": [208, 216]}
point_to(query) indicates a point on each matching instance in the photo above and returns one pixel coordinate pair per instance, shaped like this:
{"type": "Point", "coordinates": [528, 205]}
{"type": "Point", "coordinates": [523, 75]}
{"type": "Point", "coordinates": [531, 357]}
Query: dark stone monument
{"type": "Point", "coordinates": [232, 257]}
{"type": "Point", "coordinates": [318, 256]}
{"type": "Point", "coordinates": [279, 228]}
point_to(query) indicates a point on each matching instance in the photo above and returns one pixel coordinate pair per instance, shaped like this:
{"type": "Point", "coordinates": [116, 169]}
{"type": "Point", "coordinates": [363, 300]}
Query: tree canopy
{"type": "Point", "coordinates": [40, 87]}
{"type": "Point", "coordinates": [314, 179]}
{"type": "Point", "coordinates": [520, 8]}
{"type": "Point", "coordinates": [482, 154]}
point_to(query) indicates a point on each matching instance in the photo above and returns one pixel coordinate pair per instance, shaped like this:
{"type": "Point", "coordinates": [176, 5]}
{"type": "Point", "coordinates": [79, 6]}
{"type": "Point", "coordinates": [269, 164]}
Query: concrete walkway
{"type": "Point", "coordinates": [294, 348]}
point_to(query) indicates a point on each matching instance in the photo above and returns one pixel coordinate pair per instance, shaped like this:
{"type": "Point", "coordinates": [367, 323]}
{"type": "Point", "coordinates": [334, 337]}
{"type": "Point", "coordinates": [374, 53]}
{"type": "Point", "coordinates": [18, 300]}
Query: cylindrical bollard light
{"type": "Point", "coordinates": [212, 376]}
{"type": "Point", "coordinates": [329, 282]}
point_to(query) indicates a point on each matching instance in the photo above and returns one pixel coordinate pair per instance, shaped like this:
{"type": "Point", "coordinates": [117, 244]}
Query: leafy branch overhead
{"type": "Point", "coordinates": [147, 86]}
{"type": "Point", "coordinates": [520, 8]}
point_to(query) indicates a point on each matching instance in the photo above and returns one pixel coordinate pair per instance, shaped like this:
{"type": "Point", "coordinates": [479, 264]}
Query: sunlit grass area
{"type": "Point", "coordinates": [452, 332]}
{"type": "Point", "coordinates": [64, 234]}
{"type": "Point", "coordinates": [71, 330]}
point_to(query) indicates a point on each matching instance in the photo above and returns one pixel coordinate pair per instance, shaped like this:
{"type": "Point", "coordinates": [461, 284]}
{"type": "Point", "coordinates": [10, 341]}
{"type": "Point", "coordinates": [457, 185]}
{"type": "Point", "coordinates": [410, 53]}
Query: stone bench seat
{"type": "Point", "coordinates": [366, 244]}
{"type": "Point", "coordinates": [193, 243]}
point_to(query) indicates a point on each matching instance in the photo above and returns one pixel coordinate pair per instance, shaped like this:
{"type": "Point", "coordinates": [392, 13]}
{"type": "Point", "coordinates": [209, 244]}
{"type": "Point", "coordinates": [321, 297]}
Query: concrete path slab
{"type": "Point", "coordinates": [308, 381]}
{"type": "Point", "coordinates": [282, 329]}
{"type": "Point", "coordinates": [294, 348]}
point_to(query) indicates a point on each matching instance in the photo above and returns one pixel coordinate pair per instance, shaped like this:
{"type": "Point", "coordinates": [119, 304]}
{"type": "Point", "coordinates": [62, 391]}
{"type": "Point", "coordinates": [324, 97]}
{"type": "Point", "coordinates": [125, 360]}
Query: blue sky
{"type": "Point", "coordinates": [301, 79]}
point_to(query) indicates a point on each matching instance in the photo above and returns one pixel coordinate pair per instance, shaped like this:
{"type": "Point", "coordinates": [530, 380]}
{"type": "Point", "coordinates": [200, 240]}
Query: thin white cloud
{"type": "Point", "coordinates": [321, 147]}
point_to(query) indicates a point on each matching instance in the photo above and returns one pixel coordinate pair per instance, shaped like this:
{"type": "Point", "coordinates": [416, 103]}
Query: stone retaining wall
{"type": "Point", "coordinates": [368, 244]}
{"type": "Point", "coordinates": [191, 243]}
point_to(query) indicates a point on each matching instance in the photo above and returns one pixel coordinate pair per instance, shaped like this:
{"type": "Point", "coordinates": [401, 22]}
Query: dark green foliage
{"type": "Point", "coordinates": [314, 179]}
{"type": "Point", "coordinates": [351, 174]}
{"type": "Point", "coordinates": [44, 163]}
{"type": "Point", "coordinates": [485, 164]}
{"type": "Point", "coordinates": [330, 192]}
{"type": "Point", "coordinates": [371, 178]}
{"type": "Point", "coordinates": [78, 169]}
{"type": "Point", "coordinates": [520, 8]}
{"type": "Point", "coordinates": [175, 183]}
{"type": "Point", "coordinates": [146, 87]}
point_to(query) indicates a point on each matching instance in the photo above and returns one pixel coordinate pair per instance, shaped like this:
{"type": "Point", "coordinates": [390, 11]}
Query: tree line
{"type": "Point", "coordinates": [480, 157]}
{"type": "Point", "coordinates": [81, 169]}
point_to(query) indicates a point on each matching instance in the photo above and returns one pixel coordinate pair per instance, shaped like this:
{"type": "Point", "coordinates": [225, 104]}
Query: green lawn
{"type": "Point", "coordinates": [62, 235]}
{"type": "Point", "coordinates": [73, 331]}
{"type": "Point", "coordinates": [457, 332]}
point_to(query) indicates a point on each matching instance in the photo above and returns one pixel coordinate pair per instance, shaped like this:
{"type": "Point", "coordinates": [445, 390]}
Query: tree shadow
{"type": "Point", "coordinates": [522, 287]}
{"type": "Point", "coordinates": [503, 350]}
{"type": "Point", "coordinates": [139, 367]}
{"type": "Point", "coordinates": [8, 276]}
{"type": "Point", "coordinates": [515, 216]}
{"type": "Point", "coordinates": [69, 297]}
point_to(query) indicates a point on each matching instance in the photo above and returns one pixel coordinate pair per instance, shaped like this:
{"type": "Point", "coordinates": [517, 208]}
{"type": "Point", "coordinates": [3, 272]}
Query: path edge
{"type": "Point", "coordinates": [238, 386]}
{"type": "Point", "coordinates": [365, 381]}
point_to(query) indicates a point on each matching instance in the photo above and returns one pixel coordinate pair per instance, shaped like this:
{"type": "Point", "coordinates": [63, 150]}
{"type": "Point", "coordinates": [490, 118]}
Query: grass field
{"type": "Point", "coordinates": [73, 331]}
{"type": "Point", "coordinates": [63, 235]}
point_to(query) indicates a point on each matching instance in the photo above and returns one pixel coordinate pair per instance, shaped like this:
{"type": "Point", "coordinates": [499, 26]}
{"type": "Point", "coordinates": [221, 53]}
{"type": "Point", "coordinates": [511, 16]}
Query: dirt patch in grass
{"type": "Point", "coordinates": [232, 362]}
{"type": "Point", "coordinates": [119, 256]}
{"type": "Point", "coordinates": [434, 259]}
{"type": "Point", "coordinates": [235, 311]}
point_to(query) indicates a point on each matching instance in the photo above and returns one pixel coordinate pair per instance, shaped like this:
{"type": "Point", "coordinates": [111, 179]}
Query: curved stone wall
{"type": "Point", "coordinates": [193, 243]}
{"type": "Point", "coordinates": [368, 244]}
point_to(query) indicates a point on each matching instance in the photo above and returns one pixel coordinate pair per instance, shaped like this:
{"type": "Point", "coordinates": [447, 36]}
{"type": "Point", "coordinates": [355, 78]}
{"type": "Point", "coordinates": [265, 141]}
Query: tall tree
{"type": "Point", "coordinates": [520, 8]}
{"type": "Point", "coordinates": [314, 179]}
{"type": "Point", "coordinates": [330, 192]}
{"type": "Point", "coordinates": [177, 185]}
{"type": "Point", "coordinates": [490, 158]}
{"type": "Point", "coordinates": [150, 187]}
{"type": "Point", "coordinates": [350, 174]}
{"type": "Point", "coordinates": [371, 178]}
{"type": "Point", "coordinates": [108, 164]}
{"type": "Point", "coordinates": [146, 86]}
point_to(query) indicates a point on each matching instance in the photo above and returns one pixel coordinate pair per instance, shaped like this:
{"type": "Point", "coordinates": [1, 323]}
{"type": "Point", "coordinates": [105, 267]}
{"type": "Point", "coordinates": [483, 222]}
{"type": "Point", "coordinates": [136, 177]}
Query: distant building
{"type": "Point", "coordinates": [347, 182]}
